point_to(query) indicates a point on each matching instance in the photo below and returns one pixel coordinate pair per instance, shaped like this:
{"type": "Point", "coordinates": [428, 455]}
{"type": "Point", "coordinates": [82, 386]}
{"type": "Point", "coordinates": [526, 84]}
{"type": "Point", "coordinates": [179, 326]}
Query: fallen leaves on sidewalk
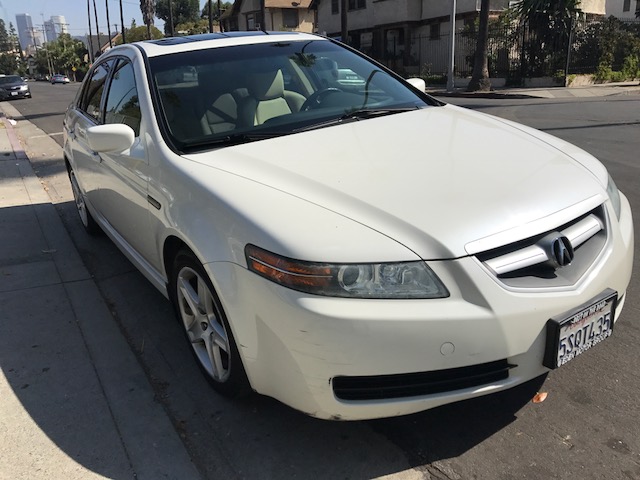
{"type": "Point", "coordinates": [539, 397]}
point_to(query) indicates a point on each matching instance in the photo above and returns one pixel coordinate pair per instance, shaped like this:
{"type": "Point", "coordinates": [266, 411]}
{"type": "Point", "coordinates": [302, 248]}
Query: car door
{"type": "Point", "coordinates": [124, 175]}
{"type": "Point", "coordinates": [86, 113]}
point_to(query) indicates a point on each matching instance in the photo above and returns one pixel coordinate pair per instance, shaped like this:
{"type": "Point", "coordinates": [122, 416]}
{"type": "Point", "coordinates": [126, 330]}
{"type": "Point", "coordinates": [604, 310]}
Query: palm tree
{"type": "Point", "coordinates": [553, 11]}
{"type": "Point", "coordinates": [480, 77]}
{"type": "Point", "coordinates": [148, 11]}
{"type": "Point", "coordinates": [549, 23]}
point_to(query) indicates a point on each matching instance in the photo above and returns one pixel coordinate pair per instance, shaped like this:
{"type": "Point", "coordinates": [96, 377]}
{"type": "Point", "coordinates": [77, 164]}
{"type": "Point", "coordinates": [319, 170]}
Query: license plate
{"type": "Point", "coordinates": [14, 93]}
{"type": "Point", "coordinates": [574, 333]}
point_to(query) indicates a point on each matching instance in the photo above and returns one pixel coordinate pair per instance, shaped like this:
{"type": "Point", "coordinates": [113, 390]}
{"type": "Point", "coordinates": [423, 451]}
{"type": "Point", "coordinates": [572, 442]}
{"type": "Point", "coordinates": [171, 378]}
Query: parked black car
{"type": "Point", "coordinates": [13, 86]}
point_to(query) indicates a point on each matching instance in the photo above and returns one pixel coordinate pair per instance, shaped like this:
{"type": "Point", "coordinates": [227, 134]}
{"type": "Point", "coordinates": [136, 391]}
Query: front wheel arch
{"type": "Point", "coordinates": [86, 218]}
{"type": "Point", "coordinates": [201, 314]}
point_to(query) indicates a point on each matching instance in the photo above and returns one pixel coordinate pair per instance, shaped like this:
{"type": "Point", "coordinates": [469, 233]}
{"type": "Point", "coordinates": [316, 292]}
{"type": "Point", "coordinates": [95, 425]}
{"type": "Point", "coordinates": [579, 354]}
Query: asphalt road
{"type": "Point", "coordinates": [588, 427]}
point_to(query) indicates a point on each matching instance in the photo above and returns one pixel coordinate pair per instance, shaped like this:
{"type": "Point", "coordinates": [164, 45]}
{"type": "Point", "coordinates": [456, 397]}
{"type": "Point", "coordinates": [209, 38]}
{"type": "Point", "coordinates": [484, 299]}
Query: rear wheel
{"type": "Point", "coordinates": [86, 218]}
{"type": "Point", "coordinates": [206, 327]}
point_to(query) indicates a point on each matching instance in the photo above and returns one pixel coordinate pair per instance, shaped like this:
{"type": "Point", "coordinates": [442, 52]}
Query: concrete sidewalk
{"type": "Point", "coordinates": [590, 91]}
{"type": "Point", "coordinates": [74, 401]}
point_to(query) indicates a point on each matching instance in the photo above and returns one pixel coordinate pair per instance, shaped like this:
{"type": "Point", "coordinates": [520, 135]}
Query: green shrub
{"type": "Point", "coordinates": [631, 67]}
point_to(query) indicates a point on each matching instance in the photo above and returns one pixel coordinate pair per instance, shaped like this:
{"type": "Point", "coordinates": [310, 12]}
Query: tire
{"type": "Point", "coordinates": [88, 222]}
{"type": "Point", "coordinates": [206, 327]}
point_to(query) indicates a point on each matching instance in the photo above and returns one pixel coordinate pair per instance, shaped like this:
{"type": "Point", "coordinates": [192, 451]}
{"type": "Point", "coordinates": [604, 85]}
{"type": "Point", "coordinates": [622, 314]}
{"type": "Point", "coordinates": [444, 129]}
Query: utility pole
{"type": "Point", "coordinates": [451, 81]}
{"type": "Point", "coordinates": [95, 11]}
{"type": "Point", "coordinates": [46, 50]}
{"type": "Point", "coordinates": [124, 40]}
{"type": "Point", "coordinates": [219, 15]}
{"type": "Point", "coordinates": [90, 42]}
{"type": "Point", "coordinates": [106, 3]}
{"type": "Point", "coordinates": [211, 16]}
{"type": "Point", "coordinates": [170, 19]}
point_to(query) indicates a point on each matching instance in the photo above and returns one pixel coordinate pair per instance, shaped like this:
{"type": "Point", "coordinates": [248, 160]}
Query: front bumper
{"type": "Point", "coordinates": [294, 346]}
{"type": "Point", "coordinates": [14, 94]}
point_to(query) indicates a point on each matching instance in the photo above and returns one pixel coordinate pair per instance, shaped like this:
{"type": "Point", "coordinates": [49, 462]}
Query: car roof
{"type": "Point", "coordinates": [169, 45]}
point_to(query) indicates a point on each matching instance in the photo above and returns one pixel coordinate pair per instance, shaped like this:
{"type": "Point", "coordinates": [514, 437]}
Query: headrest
{"type": "Point", "coordinates": [214, 80]}
{"type": "Point", "coordinates": [266, 85]}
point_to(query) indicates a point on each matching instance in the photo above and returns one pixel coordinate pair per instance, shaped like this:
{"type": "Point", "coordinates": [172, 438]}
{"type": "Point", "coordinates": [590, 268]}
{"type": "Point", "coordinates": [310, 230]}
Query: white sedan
{"type": "Point", "coordinates": [354, 249]}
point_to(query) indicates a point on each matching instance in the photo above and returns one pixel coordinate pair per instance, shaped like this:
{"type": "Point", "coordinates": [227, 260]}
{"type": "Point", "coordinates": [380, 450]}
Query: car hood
{"type": "Point", "coordinates": [439, 180]}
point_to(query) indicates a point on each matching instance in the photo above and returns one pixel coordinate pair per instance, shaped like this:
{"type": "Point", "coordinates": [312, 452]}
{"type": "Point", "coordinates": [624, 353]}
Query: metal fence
{"type": "Point", "coordinates": [515, 51]}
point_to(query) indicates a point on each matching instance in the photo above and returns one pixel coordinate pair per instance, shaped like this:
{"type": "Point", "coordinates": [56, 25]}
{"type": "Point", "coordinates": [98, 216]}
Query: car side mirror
{"type": "Point", "coordinates": [113, 137]}
{"type": "Point", "coordinates": [418, 83]}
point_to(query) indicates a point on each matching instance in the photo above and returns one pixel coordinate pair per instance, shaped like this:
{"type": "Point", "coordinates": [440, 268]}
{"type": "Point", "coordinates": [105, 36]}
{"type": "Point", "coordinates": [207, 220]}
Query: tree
{"type": "Point", "coordinates": [65, 55]}
{"type": "Point", "coordinates": [193, 28]}
{"type": "Point", "coordinates": [549, 24]}
{"type": "Point", "coordinates": [8, 63]}
{"type": "Point", "coordinates": [555, 12]}
{"type": "Point", "coordinates": [148, 10]}
{"type": "Point", "coordinates": [5, 45]}
{"type": "Point", "coordinates": [13, 38]}
{"type": "Point", "coordinates": [41, 60]}
{"type": "Point", "coordinates": [184, 11]}
{"type": "Point", "coordinates": [137, 34]}
{"type": "Point", "coordinates": [480, 77]}
{"type": "Point", "coordinates": [224, 6]}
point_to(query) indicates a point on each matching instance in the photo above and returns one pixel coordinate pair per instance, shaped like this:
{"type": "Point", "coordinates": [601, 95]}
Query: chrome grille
{"type": "Point", "coordinates": [530, 263]}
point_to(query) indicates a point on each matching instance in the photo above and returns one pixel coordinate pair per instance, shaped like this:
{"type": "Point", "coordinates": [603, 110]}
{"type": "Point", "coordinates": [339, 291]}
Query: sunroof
{"type": "Point", "coordinates": [212, 36]}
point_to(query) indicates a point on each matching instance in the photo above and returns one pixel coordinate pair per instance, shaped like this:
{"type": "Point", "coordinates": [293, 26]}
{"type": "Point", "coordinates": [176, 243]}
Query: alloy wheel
{"type": "Point", "coordinates": [203, 324]}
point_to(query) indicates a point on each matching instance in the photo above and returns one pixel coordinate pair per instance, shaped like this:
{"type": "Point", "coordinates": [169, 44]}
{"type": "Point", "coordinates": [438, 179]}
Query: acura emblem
{"type": "Point", "coordinates": [559, 249]}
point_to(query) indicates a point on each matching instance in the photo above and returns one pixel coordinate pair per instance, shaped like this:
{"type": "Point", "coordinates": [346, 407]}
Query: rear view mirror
{"type": "Point", "coordinates": [113, 137]}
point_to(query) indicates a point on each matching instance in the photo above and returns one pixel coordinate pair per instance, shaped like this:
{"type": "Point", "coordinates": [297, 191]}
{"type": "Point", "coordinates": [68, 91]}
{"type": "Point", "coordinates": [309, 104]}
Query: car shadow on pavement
{"type": "Point", "coordinates": [451, 430]}
{"type": "Point", "coordinates": [45, 362]}
{"type": "Point", "coordinates": [48, 388]}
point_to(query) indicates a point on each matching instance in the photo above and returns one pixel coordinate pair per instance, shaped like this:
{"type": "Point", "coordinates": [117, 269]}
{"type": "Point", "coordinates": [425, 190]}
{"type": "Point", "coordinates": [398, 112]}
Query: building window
{"type": "Point", "coordinates": [335, 7]}
{"type": "Point", "coordinates": [254, 21]}
{"type": "Point", "coordinates": [289, 18]}
{"type": "Point", "coordinates": [434, 31]}
{"type": "Point", "coordinates": [626, 6]}
{"type": "Point", "coordinates": [357, 4]}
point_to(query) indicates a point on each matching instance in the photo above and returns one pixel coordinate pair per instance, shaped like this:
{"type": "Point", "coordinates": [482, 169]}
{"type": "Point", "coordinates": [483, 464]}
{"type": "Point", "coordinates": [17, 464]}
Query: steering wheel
{"type": "Point", "coordinates": [315, 99]}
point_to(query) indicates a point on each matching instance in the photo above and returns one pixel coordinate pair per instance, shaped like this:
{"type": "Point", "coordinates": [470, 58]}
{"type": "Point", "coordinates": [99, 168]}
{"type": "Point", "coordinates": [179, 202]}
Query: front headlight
{"type": "Point", "coordinates": [371, 280]}
{"type": "Point", "coordinates": [614, 196]}
{"type": "Point", "coordinates": [24, 87]}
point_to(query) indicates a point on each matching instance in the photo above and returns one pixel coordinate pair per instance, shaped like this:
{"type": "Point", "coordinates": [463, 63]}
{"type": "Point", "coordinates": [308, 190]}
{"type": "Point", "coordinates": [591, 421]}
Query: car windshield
{"type": "Point", "coordinates": [223, 96]}
{"type": "Point", "coordinates": [10, 79]}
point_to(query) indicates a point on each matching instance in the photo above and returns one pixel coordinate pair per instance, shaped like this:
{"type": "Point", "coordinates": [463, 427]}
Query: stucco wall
{"type": "Point", "coordinates": [595, 7]}
{"type": "Point", "coordinates": [614, 7]}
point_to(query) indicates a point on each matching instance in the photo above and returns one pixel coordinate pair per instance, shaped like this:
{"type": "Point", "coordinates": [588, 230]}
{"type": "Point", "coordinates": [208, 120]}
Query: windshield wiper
{"type": "Point", "coordinates": [229, 140]}
{"type": "Point", "coordinates": [374, 112]}
{"type": "Point", "coordinates": [355, 115]}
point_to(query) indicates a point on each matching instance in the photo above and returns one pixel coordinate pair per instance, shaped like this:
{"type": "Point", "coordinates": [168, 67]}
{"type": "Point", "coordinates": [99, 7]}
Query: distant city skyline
{"type": "Point", "coordinates": [75, 14]}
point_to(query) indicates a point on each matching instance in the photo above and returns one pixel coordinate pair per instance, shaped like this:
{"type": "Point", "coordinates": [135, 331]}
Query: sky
{"type": "Point", "coordinates": [75, 13]}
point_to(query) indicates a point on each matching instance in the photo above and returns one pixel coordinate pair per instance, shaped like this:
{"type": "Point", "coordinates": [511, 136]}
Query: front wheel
{"type": "Point", "coordinates": [206, 326]}
{"type": "Point", "coordinates": [89, 224]}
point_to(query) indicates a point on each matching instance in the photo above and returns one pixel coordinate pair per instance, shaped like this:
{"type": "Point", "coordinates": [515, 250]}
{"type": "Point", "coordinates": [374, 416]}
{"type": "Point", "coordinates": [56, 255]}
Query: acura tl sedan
{"type": "Point", "coordinates": [345, 244]}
